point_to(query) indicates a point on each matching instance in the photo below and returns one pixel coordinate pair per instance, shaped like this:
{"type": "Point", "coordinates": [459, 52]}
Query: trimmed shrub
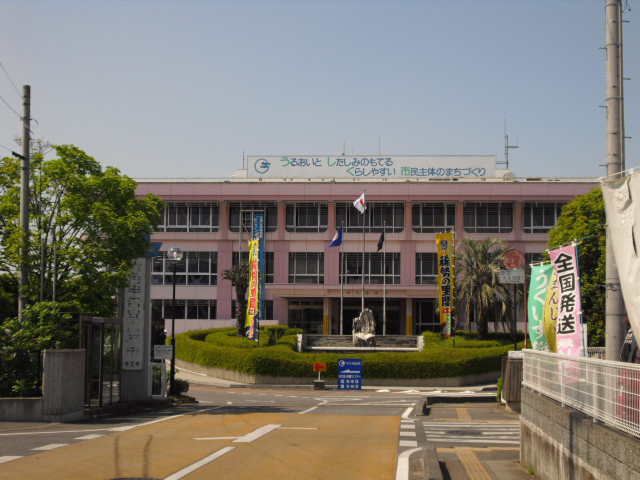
{"type": "Point", "coordinates": [280, 359]}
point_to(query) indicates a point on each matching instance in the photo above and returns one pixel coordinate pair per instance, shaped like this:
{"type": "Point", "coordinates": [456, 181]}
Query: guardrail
{"type": "Point", "coordinates": [605, 390]}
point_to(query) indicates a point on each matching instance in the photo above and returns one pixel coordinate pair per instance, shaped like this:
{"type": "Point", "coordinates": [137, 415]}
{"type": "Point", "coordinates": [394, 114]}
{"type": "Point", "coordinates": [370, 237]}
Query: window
{"type": "Point", "coordinates": [268, 258]}
{"type": "Point", "coordinates": [244, 211]}
{"type": "Point", "coordinates": [306, 217]}
{"type": "Point", "coordinates": [427, 268]}
{"type": "Point", "coordinates": [306, 267]}
{"type": "Point", "coordinates": [195, 268]}
{"type": "Point", "coordinates": [190, 217]}
{"type": "Point", "coordinates": [541, 217]}
{"type": "Point", "coordinates": [373, 271]}
{"type": "Point", "coordinates": [184, 309]}
{"type": "Point", "coordinates": [391, 215]}
{"type": "Point", "coordinates": [433, 217]}
{"type": "Point", "coordinates": [488, 217]}
{"type": "Point", "coordinates": [530, 258]}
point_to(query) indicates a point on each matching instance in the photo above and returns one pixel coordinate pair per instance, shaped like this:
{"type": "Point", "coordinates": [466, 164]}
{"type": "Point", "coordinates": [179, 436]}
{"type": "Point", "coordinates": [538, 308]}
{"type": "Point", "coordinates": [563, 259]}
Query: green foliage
{"type": "Point", "coordinates": [181, 386]}
{"type": "Point", "coordinates": [584, 219]}
{"type": "Point", "coordinates": [46, 325]}
{"type": "Point", "coordinates": [87, 228]}
{"type": "Point", "coordinates": [238, 275]}
{"type": "Point", "coordinates": [281, 359]}
{"type": "Point", "coordinates": [499, 390]}
{"type": "Point", "coordinates": [477, 267]}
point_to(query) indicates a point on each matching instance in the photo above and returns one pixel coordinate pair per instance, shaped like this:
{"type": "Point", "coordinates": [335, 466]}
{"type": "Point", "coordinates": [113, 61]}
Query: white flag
{"type": "Point", "coordinates": [359, 203]}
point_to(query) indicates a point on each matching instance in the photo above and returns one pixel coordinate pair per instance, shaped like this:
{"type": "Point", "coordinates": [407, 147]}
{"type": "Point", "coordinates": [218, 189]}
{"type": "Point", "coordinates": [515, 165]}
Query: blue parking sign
{"type": "Point", "coordinates": [350, 374]}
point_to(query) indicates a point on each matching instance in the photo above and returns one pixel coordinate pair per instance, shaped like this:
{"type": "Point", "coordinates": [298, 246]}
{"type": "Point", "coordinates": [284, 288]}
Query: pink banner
{"type": "Point", "coordinates": [569, 320]}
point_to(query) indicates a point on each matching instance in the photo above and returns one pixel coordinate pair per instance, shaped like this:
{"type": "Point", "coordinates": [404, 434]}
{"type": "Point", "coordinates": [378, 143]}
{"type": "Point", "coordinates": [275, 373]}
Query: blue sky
{"type": "Point", "coordinates": [185, 88]}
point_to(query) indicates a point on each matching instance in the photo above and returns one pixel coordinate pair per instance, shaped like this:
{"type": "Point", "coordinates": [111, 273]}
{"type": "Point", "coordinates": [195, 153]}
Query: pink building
{"type": "Point", "coordinates": [210, 221]}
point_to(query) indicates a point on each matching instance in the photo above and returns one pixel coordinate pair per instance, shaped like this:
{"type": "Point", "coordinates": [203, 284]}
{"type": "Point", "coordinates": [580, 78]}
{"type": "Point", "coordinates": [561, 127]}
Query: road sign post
{"type": "Point", "coordinates": [350, 374]}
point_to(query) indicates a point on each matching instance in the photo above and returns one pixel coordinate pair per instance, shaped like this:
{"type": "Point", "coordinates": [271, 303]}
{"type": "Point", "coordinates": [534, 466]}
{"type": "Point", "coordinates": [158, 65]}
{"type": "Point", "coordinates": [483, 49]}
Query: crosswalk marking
{"type": "Point", "coordinates": [473, 433]}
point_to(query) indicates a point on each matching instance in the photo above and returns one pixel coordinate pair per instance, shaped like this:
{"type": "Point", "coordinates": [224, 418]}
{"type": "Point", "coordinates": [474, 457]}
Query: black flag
{"type": "Point", "coordinates": [380, 242]}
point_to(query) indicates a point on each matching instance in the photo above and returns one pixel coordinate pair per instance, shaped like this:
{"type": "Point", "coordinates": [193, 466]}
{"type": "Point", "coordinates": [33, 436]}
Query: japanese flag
{"type": "Point", "coordinates": [359, 203]}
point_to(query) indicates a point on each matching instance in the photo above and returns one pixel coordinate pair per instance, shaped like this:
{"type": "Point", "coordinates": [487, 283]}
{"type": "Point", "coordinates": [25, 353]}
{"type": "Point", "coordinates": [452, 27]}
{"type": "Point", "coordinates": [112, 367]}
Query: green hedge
{"type": "Point", "coordinates": [276, 356]}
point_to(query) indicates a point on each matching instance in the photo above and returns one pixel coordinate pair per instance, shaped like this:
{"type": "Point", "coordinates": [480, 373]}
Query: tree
{"type": "Point", "coordinates": [477, 267]}
{"type": "Point", "coordinates": [238, 275]}
{"type": "Point", "coordinates": [87, 227]}
{"type": "Point", "coordinates": [583, 219]}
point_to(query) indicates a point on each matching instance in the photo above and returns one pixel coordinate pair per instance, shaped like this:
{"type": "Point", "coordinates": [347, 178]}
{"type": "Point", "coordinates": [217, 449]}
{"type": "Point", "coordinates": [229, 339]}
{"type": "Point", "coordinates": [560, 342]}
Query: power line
{"type": "Point", "coordinates": [9, 77]}
{"type": "Point", "coordinates": [10, 107]}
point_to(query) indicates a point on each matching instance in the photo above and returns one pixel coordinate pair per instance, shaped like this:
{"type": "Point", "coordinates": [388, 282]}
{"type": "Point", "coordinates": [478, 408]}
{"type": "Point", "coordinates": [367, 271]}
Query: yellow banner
{"type": "Point", "coordinates": [550, 313]}
{"type": "Point", "coordinates": [254, 290]}
{"type": "Point", "coordinates": [446, 275]}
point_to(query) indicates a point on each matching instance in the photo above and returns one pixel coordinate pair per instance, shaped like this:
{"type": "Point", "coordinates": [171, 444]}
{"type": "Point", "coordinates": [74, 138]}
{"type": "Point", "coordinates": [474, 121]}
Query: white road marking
{"type": "Point", "coordinates": [257, 433]}
{"type": "Point", "coordinates": [322, 402]}
{"type": "Point", "coordinates": [8, 458]}
{"type": "Point", "coordinates": [408, 443]}
{"type": "Point", "coordinates": [407, 434]}
{"type": "Point", "coordinates": [407, 412]}
{"type": "Point", "coordinates": [51, 446]}
{"type": "Point", "coordinates": [200, 463]}
{"type": "Point", "coordinates": [215, 438]}
{"type": "Point", "coordinates": [90, 437]}
{"type": "Point", "coordinates": [402, 470]}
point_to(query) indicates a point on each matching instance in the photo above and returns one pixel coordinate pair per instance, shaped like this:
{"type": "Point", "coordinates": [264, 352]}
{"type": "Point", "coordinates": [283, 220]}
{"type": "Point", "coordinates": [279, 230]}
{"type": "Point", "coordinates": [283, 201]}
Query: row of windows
{"type": "Point", "coordinates": [195, 309]}
{"type": "Point", "coordinates": [312, 217]}
{"type": "Point", "coordinates": [200, 268]}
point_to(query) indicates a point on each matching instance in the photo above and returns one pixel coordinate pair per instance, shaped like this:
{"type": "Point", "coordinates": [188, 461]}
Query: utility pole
{"type": "Point", "coordinates": [24, 200]}
{"type": "Point", "coordinates": [614, 307]}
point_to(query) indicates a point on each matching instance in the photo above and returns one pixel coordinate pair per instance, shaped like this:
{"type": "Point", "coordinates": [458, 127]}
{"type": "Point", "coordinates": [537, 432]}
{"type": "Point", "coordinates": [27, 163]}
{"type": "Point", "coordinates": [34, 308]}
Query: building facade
{"type": "Point", "coordinates": [210, 220]}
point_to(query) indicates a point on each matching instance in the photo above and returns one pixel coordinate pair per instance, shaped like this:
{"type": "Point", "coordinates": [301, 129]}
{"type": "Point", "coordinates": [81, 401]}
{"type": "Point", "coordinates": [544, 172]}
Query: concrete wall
{"type": "Point", "coordinates": [63, 385]}
{"type": "Point", "coordinates": [62, 391]}
{"type": "Point", "coordinates": [561, 443]}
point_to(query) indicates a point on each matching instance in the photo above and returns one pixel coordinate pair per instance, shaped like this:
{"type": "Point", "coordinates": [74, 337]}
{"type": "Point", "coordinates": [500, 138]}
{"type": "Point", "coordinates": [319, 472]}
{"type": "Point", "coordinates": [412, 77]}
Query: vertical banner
{"type": "Point", "coordinates": [550, 317]}
{"type": "Point", "coordinates": [258, 235]}
{"type": "Point", "coordinates": [254, 290]}
{"type": "Point", "coordinates": [444, 242]}
{"type": "Point", "coordinates": [538, 288]}
{"type": "Point", "coordinates": [569, 338]}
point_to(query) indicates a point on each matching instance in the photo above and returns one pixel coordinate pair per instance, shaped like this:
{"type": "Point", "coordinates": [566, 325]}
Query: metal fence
{"type": "Point", "coordinates": [605, 390]}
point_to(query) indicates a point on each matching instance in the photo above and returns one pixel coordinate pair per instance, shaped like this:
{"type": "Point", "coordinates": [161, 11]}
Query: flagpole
{"type": "Point", "coordinates": [364, 224]}
{"type": "Point", "coordinates": [341, 280]}
{"type": "Point", "coordinates": [384, 276]}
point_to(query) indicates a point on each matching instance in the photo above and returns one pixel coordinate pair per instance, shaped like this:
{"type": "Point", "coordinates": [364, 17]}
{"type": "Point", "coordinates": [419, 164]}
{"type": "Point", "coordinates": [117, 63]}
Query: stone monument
{"type": "Point", "coordinates": [364, 329]}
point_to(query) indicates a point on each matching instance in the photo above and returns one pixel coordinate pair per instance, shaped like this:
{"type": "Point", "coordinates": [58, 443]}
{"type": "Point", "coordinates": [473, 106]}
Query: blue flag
{"type": "Point", "coordinates": [337, 239]}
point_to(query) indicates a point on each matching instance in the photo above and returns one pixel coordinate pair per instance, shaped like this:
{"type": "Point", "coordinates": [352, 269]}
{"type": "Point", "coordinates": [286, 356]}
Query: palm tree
{"type": "Point", "coordinates": [238, 275]}
{"type": "Point", "coordinates": [478, 264]}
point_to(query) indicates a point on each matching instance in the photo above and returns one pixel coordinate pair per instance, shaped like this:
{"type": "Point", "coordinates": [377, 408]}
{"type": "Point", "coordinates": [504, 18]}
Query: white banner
{"type": "Point", "coordinates": [623, 220]}
{"type": "Point", "coordinates": [396, 166]}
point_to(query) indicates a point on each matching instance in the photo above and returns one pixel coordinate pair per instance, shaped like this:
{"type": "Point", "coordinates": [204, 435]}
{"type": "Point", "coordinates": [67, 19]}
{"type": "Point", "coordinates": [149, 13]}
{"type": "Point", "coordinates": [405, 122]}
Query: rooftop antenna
{"type": "Point", "coordinates": [505, 163]}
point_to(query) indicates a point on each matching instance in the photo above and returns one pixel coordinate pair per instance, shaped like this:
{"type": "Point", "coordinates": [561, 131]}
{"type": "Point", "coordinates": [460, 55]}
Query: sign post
{"type": "Point", "coordinates": [350, 374]}
{"type": "Point", "coordinates": [319, 367]}
{"type": "Point", "coordinates": [512, 261]}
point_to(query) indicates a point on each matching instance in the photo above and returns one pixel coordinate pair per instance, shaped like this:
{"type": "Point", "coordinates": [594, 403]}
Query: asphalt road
{"type": "Point", "coordinates": [270, 433]}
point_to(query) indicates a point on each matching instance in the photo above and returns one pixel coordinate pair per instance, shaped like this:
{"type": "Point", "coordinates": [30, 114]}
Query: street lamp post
{"type": "Point", "coordinates": [174, 255]}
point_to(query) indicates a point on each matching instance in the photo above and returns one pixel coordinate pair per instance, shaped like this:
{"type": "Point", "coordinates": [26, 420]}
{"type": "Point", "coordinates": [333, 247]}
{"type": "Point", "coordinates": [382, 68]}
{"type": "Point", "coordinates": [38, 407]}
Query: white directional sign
{"type": "Point", "coordinates": [161, 352]}
{"type": "Point", "coordinates": [511, 276]}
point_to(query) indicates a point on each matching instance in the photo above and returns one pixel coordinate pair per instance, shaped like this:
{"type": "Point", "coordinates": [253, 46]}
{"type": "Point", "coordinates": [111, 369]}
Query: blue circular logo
{"type": "Point", "coordinates": [261, 166]}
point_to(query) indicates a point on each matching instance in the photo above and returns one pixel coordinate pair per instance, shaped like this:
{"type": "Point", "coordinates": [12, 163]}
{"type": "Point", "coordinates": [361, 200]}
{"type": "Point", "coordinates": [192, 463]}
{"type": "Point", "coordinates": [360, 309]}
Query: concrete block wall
{"type": "Point", "coordinates": [561, 443]}
{"type": "Point", "coordinates": [62, 391]}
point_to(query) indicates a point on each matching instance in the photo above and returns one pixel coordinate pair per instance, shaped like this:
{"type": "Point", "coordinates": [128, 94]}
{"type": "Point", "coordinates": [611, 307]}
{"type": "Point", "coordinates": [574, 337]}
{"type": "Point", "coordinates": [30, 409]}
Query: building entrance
{"type": "Point", "coordinates": [352, 309]}
{"type": "Point", "coordinates": [307, 315]}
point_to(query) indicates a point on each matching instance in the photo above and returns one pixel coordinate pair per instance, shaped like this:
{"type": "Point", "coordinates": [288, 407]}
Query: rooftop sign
{"type": "Point", "coordinates": [397, 166]}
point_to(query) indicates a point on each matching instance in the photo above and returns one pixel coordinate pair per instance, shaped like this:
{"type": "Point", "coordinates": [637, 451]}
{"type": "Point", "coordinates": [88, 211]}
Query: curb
{"type": "Point", "coordinates": [474, 398]}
